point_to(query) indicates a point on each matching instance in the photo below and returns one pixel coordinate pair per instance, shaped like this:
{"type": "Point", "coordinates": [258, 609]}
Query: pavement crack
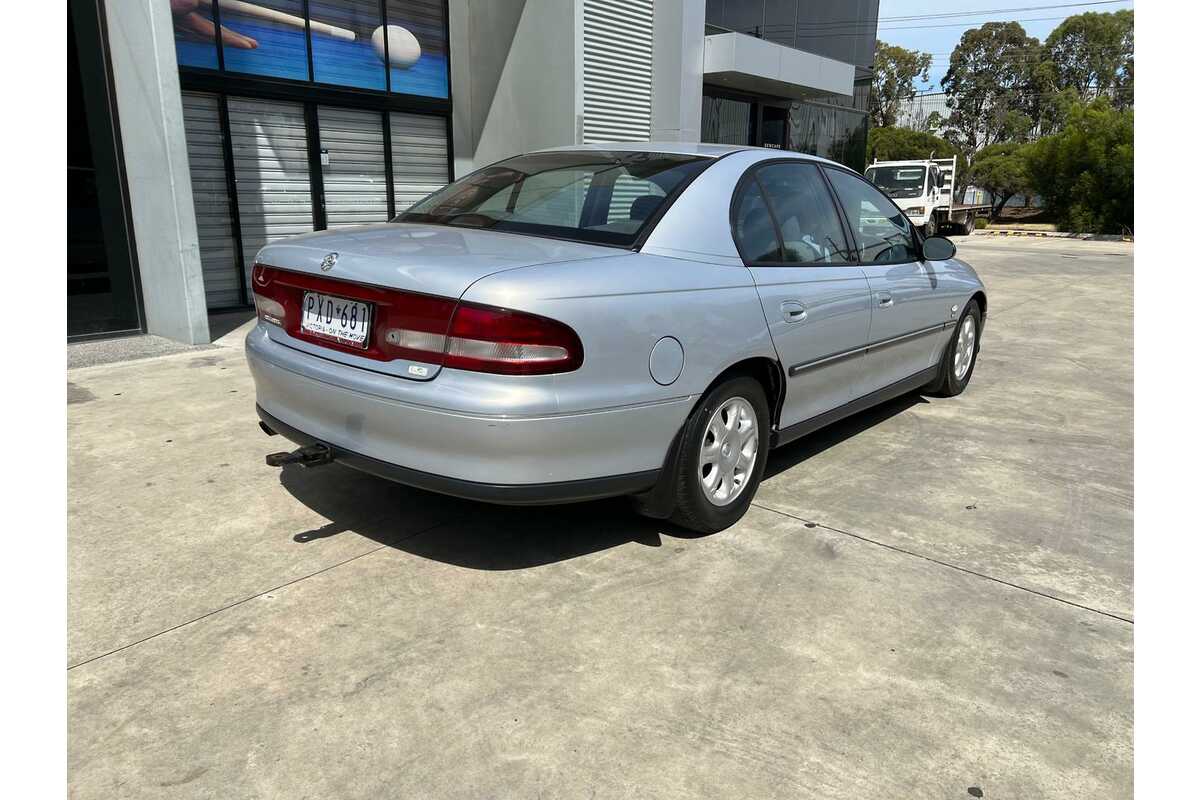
{"type": "Point", "coordinates": [247, 599]}
{"type": "Point", "coordinates": [947, 564]}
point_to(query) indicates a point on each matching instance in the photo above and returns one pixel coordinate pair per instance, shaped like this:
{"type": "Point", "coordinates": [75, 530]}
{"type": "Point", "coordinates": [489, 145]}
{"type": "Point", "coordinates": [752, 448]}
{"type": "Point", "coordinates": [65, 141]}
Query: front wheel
{"type": "Point", "coordinates": [958, 362]}
{"type": "Point", "coordinates": [724, 452]}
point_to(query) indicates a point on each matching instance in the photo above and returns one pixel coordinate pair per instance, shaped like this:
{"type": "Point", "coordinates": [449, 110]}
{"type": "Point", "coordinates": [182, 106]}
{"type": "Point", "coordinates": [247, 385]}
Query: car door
{"type": "Point", "coordinates": [906, 313]}
{"type": "Point", "coordinates": [815, 297]}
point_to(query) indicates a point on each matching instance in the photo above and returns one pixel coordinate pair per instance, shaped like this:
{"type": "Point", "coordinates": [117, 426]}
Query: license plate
{"type": "Point", "coordinates": [336, 318]}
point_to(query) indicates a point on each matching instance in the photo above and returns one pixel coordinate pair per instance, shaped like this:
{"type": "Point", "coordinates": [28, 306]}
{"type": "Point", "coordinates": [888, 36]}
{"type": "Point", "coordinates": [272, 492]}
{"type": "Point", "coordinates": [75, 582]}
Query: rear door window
{"type": "Point", "coordinates": [809, 226]}
{"type": "Point", "coordinates": [753, 229]}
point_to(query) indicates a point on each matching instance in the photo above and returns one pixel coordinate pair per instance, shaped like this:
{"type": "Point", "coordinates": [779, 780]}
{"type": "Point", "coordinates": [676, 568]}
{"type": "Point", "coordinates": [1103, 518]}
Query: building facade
{"type": "Point", "coordinates": [200, 130]}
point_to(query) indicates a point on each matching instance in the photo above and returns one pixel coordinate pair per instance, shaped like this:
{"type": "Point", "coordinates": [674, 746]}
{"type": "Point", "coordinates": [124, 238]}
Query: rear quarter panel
{"type": "Point", "coordinates": [621, 307]}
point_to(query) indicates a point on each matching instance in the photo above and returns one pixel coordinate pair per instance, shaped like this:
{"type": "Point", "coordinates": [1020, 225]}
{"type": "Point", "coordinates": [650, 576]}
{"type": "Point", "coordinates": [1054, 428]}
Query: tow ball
{"type": "Point", "coordinates": [313, 455]}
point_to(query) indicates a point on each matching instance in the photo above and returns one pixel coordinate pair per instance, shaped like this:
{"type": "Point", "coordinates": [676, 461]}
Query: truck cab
{"type": "Point", "coordinates": [915, 186]}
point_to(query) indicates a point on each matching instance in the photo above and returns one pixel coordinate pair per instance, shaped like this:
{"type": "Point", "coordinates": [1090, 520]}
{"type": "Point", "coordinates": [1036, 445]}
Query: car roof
{"type": "Point", "coordinates": [681, 148]}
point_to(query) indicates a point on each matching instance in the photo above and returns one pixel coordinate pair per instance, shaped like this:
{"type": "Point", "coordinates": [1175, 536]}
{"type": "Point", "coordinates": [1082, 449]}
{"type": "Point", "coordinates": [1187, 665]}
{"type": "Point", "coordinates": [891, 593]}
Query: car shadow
{"type": "Point", "coordinates": [491, 537]}
{"type": "Point", "coordinates": [465, 533]}
{"type": "Point", "coordinates": [819, 441]}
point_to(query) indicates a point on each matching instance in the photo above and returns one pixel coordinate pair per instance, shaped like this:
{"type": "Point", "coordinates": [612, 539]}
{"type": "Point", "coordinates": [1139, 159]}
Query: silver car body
{"type": "Point", "coordinates": [684, 302]}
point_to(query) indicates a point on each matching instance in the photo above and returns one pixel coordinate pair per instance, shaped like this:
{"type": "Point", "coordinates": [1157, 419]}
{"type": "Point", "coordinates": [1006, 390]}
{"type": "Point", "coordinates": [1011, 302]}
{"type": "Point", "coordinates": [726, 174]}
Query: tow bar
{"type": "Point", "coordinates": [313, 455]}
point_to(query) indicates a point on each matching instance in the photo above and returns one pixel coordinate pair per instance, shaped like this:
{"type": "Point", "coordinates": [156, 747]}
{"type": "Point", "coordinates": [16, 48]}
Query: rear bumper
{"type": "Point", "coordinates": [403, 430]}
{"type": "Point", "coordinates": [503, 493]}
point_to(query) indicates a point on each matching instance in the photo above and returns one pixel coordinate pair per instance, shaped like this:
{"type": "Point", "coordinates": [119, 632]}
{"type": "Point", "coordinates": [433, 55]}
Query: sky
{"type": "Point", "coordinates": [940, 41]}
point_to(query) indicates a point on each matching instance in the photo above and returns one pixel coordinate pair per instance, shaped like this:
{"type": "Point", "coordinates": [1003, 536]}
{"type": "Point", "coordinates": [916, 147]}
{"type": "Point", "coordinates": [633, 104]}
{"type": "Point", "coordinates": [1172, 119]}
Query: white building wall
{"type": "Point", "coordinates": [678, 78]}
{"type": "Point", "coordinates": [513, 77]}
{"type": "Point", "coordinates": [142, 48]}
{"type": "Point", "coordinates": [528, 74]}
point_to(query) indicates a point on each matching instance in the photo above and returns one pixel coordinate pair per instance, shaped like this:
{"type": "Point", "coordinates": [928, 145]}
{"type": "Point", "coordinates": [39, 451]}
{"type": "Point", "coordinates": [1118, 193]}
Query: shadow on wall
{"type": "Point", "coordinates": [490, 537]}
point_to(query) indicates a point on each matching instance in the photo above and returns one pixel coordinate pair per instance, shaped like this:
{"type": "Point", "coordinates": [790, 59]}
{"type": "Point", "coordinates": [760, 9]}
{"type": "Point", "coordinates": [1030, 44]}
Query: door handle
{"type": "Point", "coordinates": [885, 300]}
{"type": "Point", "coordinates": [793, 311]}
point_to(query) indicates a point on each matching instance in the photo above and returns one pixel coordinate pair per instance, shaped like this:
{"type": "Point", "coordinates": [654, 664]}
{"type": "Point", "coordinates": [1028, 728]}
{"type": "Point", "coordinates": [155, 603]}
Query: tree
{"type": "Point", "coordinates": [902, 144]}
{"type": "Point", "coordinates": [1092, 53]}
{"type": "Point", "coordinates": [988, 85]}
{"type": "Point", "coordinates": [896, 70]}
{"type": "Point", "coordinates": [1001, 169]}
{"type": "Point", "coordinates": [1085, 172]}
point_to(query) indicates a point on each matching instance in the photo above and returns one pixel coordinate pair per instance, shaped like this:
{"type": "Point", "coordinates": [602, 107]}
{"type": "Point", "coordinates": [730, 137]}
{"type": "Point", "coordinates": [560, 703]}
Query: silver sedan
{"type": "Point", "coordinates": [645, 320]}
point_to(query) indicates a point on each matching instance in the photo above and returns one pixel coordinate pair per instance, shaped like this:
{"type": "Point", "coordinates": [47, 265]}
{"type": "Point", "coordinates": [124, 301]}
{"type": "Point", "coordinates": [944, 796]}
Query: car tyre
{"type": "Point", "coordinates": [964, 344]}
{"type": "Point", "coordinates": [701, 504]}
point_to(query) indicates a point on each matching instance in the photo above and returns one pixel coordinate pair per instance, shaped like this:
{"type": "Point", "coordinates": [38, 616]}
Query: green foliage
{"type": "Point", "coordinates": [1001, 169]}
{"type": "Point", "coordinates": [1085, 172]}
{"type": "Point", "coordinates": [902, 144]}
{"type": "Point", "coordinates": [990, 85]}
{"type": "Point", "coordinates": [896, 70]}
{"type": "Point", "coordinates": [980, 223]}
{"type": "Point", "coordinates": [1093, 53]}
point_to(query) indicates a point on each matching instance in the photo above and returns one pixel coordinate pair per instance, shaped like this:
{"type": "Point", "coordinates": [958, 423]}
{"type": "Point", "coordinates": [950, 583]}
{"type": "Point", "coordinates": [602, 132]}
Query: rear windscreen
{"type": "Point", "coordinates": [600, 197]}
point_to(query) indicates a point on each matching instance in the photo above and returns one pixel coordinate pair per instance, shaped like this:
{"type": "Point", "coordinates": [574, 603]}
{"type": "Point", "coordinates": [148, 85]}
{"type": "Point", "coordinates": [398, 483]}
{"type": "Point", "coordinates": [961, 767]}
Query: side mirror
{"type": "Point", "coordinates": [937, 248]}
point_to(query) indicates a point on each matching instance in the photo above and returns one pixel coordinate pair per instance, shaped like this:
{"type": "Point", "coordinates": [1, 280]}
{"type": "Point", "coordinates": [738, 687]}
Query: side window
{"type": "Point", "coordinates": [884, 235]}
{"type": "Point", "coordinates": [753, 229]}
{"type": "Point", "coordinates": [808, 221]}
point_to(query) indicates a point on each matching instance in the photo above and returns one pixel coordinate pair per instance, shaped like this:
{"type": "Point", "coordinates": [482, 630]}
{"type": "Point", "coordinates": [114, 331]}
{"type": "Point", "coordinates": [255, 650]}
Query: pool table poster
{"type": "Point", "coordinates": [351, 45]}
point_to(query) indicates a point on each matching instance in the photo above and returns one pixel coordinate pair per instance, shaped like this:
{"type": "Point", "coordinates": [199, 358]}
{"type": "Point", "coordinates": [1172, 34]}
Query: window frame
{"type": "Point", "coordinates": [750, 174]}
{"type": "Point", "coordinates": [912, 231]}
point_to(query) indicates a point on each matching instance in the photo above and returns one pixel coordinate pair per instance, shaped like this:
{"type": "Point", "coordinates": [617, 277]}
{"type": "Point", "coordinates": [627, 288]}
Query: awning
{"type": "Point", "coordinates": [758, 66]}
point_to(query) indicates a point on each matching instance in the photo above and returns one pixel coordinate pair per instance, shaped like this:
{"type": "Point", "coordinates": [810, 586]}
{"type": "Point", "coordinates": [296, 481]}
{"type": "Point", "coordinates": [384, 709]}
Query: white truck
{"type": "Point", "coordinates": [928, 193]}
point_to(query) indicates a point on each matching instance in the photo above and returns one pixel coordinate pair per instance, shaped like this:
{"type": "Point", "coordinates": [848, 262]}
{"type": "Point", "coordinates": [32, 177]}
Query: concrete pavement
{"type": "Point", "coordinates": [931, 598]}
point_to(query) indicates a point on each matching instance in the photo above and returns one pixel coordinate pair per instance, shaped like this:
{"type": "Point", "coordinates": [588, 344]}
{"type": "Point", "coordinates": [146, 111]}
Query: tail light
{"type": "Point", "coordinates": [432, 330]}
{"type": "Point", "coordinates": [488, 339]}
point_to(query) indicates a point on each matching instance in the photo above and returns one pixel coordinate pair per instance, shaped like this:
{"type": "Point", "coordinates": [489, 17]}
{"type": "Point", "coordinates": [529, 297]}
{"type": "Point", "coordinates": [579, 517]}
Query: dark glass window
{"type": "Point", "coordinates": [589, 196]}
{"type": "Point", "coordinates": [882, 232]}
{"type": "Point", "coordinates": [350, 43]}
{"type": "Point", "coordinates": [838, 134]}
{"type": "Point", "coordinates": [275, 31]}
{"type": "Point", "coordinates": [725, 121]}
{"type": "Point", "coordinates": [808, 221]}
{"type": "Point", "coordinates": [421, 38]}
{"type": "Point", "coordinates": [753, 229]}
{"type": "Point", "coordinates": [195, 40]}
{"type": "Point", "coordinates": [346, 61]}
{"type": "Point", "coordinates": [843, 30]}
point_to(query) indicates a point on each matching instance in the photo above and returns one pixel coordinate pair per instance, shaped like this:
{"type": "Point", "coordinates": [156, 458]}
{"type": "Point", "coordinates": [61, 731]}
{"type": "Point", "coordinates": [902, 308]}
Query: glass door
{"type": "Point", "coordinates": [101, 285]}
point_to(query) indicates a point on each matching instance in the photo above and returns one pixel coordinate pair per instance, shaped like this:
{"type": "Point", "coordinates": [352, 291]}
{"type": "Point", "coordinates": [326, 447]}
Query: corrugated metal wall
{"type": "Point", "coordinates": [618, 40]}
{"type": "Point", "coordinates": [420, 157]}
{"type": "Point", "coordinates": [210, 196]}
{"type": "Point", "coordinates": [270, 161]}
{"type": "Point", "coordinates": [356, 176]}
{"type": "Point", "coordinates": [271, 171]}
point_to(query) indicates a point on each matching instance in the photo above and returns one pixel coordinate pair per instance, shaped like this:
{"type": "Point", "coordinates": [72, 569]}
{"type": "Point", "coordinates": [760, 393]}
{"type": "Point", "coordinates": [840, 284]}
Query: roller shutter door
{"type": "Point", "coordinates": [356, 176]}
{"type": "Point", "coordinates": [420, 157]}
{"type": "Point", "coordinates": [270, 162]}
{"type": "Point", "coordinates": [210, 195]}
